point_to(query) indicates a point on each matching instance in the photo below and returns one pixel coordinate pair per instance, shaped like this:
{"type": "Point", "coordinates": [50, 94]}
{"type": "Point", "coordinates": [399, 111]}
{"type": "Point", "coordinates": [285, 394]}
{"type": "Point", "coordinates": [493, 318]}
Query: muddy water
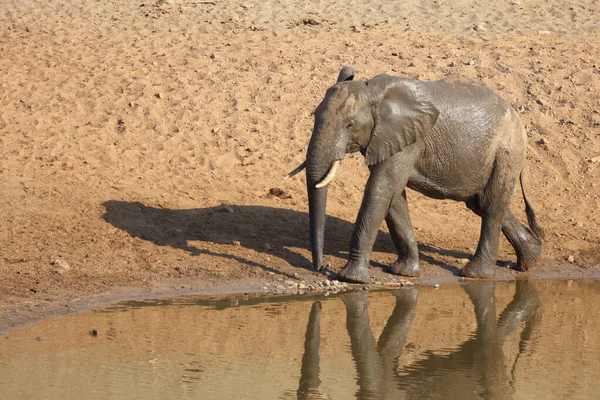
{"type": "Point", "coordinates": [504, 340]}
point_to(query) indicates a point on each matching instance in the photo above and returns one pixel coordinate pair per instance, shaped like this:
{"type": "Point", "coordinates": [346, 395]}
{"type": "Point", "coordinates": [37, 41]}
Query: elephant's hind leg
{"type": "Point", "coordinates": [527, 247]}
{"type": "Point", "coordinates": [401, 231]}
{"type": "Point", "coordinates": [492, 206]}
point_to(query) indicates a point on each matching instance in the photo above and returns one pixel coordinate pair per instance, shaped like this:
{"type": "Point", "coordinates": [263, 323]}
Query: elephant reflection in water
{"type": "Point", "coordinates": [372, 374]}
{"type": "Point", "coordinates": [309, 375]}
{"type": "Point", "coordinates": [437, 376]}
{"type": "Point", "coordinates": [376, 362]}
{"type": "Point", "coordinates": [477, 369]}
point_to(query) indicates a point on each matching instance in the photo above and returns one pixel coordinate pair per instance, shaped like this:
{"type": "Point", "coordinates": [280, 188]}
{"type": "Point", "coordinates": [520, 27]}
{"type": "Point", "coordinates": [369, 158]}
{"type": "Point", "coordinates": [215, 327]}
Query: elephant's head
{"type": "Point", "coordinates": [378, 117]}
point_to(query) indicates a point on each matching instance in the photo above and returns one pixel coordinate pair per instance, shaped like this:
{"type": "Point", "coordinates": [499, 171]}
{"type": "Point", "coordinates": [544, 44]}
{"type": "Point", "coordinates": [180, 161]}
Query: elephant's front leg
{"type": "Point", "coordinates": [386, 182]}
{"type": "Point", "coordinates": [401, 231]}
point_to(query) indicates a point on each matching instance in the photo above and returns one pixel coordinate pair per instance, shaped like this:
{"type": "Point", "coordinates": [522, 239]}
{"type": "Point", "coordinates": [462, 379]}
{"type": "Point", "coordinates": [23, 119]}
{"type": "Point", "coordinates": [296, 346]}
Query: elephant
{"type": "Point", "coordinates": [448, 139]}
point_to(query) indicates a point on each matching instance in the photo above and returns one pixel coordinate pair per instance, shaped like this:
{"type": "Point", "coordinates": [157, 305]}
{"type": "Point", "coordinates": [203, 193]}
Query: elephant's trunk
{"type": "Point", "coordinates": [317, 201]}
{"type": "Point", "coordinates": [316, 170]}
{"type": "Point", "coordinates": [323, 152]}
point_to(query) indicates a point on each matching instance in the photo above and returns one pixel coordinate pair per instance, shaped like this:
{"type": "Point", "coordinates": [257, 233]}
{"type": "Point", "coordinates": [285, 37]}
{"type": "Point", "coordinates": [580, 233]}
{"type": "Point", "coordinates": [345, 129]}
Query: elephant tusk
{"type": "Point", "coordinates": [295, 171]}
{"type": "Point", "coordinates": [329, 176]}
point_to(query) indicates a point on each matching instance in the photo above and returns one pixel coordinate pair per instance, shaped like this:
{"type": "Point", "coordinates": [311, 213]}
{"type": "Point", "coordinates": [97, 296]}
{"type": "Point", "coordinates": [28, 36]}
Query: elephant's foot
{"type": "Point", "coordinates": [528, 254]}
{"type": "Point", "coordinates": [405, 267]}
{"type": "Point", "coordinates": [354, 272]}
{"type": "Point", "coordinates": [478, 268]}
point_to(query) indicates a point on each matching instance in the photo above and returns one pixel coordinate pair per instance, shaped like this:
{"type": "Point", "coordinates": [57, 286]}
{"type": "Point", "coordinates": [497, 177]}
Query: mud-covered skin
{"type": "Point", "coordinates": [451, 139]}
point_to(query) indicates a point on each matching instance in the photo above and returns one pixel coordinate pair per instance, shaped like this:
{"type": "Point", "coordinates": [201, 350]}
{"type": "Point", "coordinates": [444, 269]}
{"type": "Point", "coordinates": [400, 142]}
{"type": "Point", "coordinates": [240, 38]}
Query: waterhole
{"type": "Point", "coordinates": [490, 340]}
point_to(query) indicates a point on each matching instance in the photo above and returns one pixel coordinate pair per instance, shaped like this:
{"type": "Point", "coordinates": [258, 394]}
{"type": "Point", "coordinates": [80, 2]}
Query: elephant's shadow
{"type": "Point", "coordinates": [252, 226]}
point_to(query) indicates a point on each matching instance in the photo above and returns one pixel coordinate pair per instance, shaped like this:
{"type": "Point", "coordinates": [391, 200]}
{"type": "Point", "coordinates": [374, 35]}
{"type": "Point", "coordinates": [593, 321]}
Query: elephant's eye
{"type": "Point", "coordinates": [350, 126]}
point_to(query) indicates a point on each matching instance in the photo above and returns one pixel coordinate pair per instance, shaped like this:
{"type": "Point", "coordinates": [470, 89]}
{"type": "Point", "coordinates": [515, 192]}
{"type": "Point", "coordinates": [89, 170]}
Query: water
{"type": "Point", "coordinates": [504, 340]}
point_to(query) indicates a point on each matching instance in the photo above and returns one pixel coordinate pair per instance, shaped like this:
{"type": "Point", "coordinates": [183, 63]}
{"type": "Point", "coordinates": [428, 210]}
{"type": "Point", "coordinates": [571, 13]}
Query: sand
{"type": "Point", "coordinates": [125, 125]}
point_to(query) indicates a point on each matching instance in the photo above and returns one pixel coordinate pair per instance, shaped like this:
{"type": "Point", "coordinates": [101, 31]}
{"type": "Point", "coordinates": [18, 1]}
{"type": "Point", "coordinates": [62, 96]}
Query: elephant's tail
{"type": "Point", "coordinates": [536, 229]}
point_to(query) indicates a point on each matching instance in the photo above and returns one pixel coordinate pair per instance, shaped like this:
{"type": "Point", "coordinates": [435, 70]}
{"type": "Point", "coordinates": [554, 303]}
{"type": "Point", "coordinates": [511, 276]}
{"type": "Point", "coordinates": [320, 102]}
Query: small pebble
{"type": "Point", "coordinates": [61, 264]}
{"type": "Point", "coordinates": [571, 259]}
{"type": "Point", "coordinates": [436, 286]}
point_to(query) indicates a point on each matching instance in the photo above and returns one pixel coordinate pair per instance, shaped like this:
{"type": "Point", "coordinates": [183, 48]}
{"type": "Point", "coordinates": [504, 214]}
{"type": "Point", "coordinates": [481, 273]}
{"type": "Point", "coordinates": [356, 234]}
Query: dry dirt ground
{"type": "Point", "coordinates": [124, 125]}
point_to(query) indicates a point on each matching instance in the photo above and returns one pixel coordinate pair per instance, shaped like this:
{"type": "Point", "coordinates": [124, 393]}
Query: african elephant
{"type": "Point", "coordinates": [449, 139]}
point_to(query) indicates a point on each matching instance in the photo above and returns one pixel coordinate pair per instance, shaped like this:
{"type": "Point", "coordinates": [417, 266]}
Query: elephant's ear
{"type": "Point", "coordinates": [403, 114]}
{"type": "Point", "coordinates": [347, 73]}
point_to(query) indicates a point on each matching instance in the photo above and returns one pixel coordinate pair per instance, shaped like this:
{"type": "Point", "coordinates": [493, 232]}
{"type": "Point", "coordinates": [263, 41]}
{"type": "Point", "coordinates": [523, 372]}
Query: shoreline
{"type": "Point", "coordinates": [24, 312]}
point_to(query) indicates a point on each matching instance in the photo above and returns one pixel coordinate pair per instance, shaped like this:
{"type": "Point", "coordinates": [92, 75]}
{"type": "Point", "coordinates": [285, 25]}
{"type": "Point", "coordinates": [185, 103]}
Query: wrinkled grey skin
{"type": "Point", "coordinates": [449, 139]}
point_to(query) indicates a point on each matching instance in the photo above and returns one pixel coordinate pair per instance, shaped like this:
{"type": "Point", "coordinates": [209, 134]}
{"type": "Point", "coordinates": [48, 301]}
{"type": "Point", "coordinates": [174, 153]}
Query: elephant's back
{"type": "Point", "coordinates": [466, 101]}
{"type": "Point", "coordinates": [470, 111]}
{"type": "Point", "coordinates": [459, 152]}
